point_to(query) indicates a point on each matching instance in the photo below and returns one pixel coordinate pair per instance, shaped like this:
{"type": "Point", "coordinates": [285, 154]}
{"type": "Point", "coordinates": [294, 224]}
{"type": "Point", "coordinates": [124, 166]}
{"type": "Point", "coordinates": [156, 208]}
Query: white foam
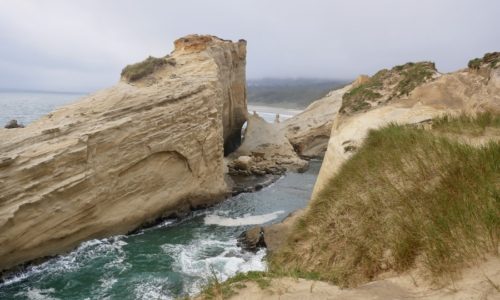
{"type": "Point", "coordinates": [152, 288]}
{"type": "Point", "coordinates": [245, 220]}
{"type": "Point", "coordinates": [40, 294]}
{"type": "Point", "coordinates": [193, 260]}
{"type": "Point", "coordinates": [77, 258]}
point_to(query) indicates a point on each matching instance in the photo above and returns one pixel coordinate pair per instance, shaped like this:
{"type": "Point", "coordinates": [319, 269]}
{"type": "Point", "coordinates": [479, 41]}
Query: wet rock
{"type": "Point", "coordinates": [252, 239]}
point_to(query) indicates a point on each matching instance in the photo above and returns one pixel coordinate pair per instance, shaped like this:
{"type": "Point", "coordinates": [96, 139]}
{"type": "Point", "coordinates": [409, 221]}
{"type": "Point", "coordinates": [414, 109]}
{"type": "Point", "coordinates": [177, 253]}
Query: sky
{"type": "Point", "coordinates": [82, 45]}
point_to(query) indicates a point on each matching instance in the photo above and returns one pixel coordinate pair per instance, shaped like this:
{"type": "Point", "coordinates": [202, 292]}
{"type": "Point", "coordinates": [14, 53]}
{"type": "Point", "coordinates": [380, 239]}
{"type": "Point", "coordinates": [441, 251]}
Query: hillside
{"type": "Point", "coordinates": [409, 197]}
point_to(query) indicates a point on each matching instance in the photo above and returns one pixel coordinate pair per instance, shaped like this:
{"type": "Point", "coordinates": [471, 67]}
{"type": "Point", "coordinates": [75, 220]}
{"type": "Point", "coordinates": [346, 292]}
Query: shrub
{"type": "Point", "coordinates": [140, 70]}
{"type": "Point", "coordinates": [489, 59]}
{"type": "Point", "coordinates": [475, 63]}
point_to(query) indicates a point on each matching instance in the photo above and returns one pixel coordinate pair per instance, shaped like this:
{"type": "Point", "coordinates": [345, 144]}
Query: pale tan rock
{"type": "Point", "coordinates": [309, 131]}
{"type": "Point", "coordinates": [124, 155]}
{"type": "Point", "coordinates": [478, 282]}
{"type": "Point", "coordinates": [243, 162]}
{"type": "Point", "coordinates": [360, 80]}
{"type": "Point", "coordinates": [268, 146]}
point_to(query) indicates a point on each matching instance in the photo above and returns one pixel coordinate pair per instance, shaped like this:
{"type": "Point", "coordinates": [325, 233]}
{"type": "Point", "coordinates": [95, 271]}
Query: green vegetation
{"type": "Point", "coordinates": [491, 60]}
{"type": "Point", "coordinates": [398, 81]}
{"type": "Point", "coordinates": [414, 75]}
{"type": "Point", "coordinates": [409, 197]}
{"type": "Point", "coordinates": [142, 69]}
{"type": "Point", "coordinates": [466, 124]}
{"type": "Point", "coordinates": [475, 63]}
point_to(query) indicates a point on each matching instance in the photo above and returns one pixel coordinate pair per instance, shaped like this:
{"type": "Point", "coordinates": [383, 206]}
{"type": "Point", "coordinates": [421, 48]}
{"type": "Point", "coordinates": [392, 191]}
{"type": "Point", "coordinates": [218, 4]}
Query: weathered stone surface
{"type": "Point", "coordinates": [125, 155]}
{"type": "Point", "coordinates": [309, 131]}
{"type": "Point", "coordinates": [462, 91]}
{"type": "Point", "coordinates": [269, 149]}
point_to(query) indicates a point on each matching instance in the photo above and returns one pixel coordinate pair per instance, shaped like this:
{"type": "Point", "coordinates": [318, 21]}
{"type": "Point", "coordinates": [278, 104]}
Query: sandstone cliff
{"type": "Point", "coordinates": [151, 145]}
{"type": "Point", "coordinates": [408, 94]}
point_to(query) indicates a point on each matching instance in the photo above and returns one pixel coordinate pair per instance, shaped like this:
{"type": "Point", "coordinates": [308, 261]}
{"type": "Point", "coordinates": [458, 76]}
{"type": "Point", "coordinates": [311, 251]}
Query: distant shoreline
{"type": "Point", "coordinates": [16, 91]}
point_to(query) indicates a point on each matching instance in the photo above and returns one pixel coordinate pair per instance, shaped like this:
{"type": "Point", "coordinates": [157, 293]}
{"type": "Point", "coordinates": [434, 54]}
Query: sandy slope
{"type": "Point", "coordinates": [481, 282]}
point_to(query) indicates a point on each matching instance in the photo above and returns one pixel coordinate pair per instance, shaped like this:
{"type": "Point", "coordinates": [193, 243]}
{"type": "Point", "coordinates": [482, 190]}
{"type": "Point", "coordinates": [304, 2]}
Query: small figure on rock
{"type": "Point", "coordinates": [277, 119]}
{"type": "Point", "coordinates": [13, 124]}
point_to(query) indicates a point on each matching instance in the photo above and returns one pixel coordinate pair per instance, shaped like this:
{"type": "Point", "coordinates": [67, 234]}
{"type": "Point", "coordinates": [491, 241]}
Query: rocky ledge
{"type": "Point", "coordinates": [150, 146]}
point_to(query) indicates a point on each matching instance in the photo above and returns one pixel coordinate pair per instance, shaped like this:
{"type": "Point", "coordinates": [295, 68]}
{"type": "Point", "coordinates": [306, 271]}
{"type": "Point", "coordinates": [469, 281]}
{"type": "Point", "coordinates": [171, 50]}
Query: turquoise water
{"type": "Point", "coordinates": [169, 260]}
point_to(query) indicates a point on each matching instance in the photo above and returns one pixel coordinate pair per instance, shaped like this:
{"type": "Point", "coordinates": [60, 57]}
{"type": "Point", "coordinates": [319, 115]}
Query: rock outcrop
{"type": "Point", "coordinates": [265, 150]}
{"type": "Point", "coordinates": [13, 124]}
{"type": "Point", "coordinates": [309, 131]}
{"type": "Point", "coordinates": [426, 95]}
{"type": "Point", "coordinates": [150, 146]}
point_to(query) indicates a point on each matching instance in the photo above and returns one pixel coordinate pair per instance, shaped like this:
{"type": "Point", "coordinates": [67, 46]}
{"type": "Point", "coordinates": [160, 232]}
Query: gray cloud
{"type": "Point", "coordinates": [83, 45]}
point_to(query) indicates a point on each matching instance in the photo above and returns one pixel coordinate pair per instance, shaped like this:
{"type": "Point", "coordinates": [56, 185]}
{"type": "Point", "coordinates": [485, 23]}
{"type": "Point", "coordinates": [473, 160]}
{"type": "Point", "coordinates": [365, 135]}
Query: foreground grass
{"type": "Point", "coordinates": [408, 198]}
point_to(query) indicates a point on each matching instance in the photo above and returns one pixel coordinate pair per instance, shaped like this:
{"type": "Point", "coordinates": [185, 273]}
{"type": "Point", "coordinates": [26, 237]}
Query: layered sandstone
{"type": "Point", "coordinates": [468, 90]}
{"type": "Point", "coordinates": [124, 155]}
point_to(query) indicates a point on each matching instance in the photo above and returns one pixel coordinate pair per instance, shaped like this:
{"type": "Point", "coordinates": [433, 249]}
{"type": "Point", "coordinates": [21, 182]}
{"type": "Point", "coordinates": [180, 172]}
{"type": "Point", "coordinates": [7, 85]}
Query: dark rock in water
{"type": "Point", "coordinates": [248, 183]}
{"type": "Point", "coordinates": [252, 239]}
{"type": "Point", "coordinates": [13, 124]}
{"type": "Point", "coordinates": [273, 237]}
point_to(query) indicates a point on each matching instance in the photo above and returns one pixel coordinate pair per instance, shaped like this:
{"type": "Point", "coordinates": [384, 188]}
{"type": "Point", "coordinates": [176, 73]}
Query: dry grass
{"type": "Point", "coordinates": [142, 69]}
{"type": "Point", "coordinates": [408, 198]}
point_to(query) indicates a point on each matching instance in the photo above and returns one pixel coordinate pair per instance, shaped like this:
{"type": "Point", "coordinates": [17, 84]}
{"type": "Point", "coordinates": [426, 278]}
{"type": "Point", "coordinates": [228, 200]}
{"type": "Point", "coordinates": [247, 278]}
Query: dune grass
{"type": "Point", "coordinates": [408, 198]}
{"type": "Point", "coordinates": [467, 124]}
{"type": "Point", "coordinates": [141, 69]}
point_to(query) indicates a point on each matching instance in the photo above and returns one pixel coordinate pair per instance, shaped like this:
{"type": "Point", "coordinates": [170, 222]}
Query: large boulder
{"type": "Point", "coordinates": [150, 146]}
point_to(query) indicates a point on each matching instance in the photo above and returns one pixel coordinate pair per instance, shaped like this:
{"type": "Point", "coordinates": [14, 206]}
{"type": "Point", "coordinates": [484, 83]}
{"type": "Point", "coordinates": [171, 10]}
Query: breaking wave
{"type": "Point", "coordinates": [242, 221]}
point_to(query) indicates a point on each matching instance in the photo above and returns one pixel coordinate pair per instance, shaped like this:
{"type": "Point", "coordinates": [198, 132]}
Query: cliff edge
{"type": "Point", "coordinates": [150, 146]}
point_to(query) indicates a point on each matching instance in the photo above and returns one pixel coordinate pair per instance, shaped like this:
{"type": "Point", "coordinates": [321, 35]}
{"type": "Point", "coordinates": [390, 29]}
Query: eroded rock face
{"type": "Point", "coordinates": [462, 91]}
{"type": "Point", "coordinates": [125, 155]}
{"type": "Point", "coordinates": [309, 131]}
{"type": "Point", "coordinates": [267, 149]}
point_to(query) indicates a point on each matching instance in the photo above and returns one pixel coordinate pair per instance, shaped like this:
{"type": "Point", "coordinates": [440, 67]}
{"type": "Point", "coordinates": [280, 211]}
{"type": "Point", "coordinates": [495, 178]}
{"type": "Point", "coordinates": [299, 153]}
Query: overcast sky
{"type": "Point", "coordinates": [82, 45]}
